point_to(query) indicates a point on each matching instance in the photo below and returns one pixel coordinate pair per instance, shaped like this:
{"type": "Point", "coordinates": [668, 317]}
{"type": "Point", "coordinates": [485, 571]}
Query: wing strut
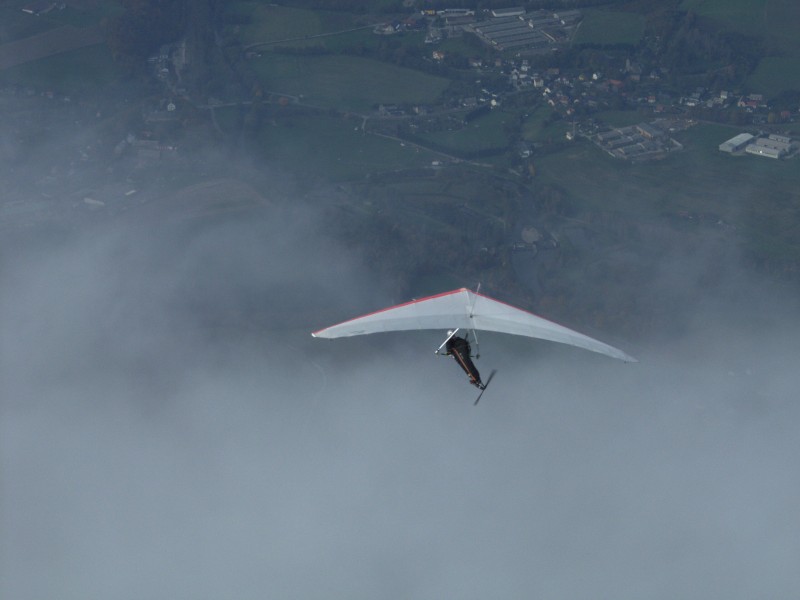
{"type": "Point", "coordinates": [455, 331]}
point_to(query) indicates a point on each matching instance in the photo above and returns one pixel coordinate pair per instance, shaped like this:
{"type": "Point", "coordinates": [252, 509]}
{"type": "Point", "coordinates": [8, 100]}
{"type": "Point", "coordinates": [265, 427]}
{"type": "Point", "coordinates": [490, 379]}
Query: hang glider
{"type": "Point", "coordinates": [464, 309]}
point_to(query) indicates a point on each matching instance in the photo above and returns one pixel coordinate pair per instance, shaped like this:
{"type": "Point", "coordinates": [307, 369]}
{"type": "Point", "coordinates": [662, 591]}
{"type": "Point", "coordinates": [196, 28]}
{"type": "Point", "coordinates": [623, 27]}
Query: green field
{"type": "Point", "coordinates": [619, 118]}
{"type": "Point", "coordinates": [16, 25]}
{"type": "Point", "coordinates": [83, 70]}
{"type": "Point", "coordinates": [740, 15]}
{"type": "Point", "coordinates": [775, 74]}
{"type": "Point", "coordinates": [88, 17]}
{"type": "Point", "coordinates": [346, 83]}
{"type": "Point", "coordinates": [537, 126]}
{"type": "Point", "coordinates": [484, 133]}
{"type": "Point", "coordinates": [697, 179]}
{"type": "Point", "coordinates": [609, 28]}
{"type": "Point", "coordinates": [272, 23]}
{"type": "Point", "coordinates": [335, 148]}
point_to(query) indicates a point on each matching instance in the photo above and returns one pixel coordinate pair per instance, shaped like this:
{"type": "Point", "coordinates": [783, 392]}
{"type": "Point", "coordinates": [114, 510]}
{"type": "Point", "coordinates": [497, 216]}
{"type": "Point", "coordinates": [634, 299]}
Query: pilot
{"type": "Point", "coordinates": [460, 350]}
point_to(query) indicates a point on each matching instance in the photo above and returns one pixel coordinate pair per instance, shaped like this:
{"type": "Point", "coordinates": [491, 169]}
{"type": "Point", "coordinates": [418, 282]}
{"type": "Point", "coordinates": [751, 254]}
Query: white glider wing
{"type": "Point", "coordinates": [467, 310]}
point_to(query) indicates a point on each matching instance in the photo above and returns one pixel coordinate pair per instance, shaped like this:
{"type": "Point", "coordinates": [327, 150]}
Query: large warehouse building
{"type": "Point", "coordinates": [736, 144]}
{"type": "Point", "coordinates": [774, 146]}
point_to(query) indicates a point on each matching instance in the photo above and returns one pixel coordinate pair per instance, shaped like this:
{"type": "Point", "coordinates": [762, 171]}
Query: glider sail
{"type": "Point", "coordinates": [465, 309]}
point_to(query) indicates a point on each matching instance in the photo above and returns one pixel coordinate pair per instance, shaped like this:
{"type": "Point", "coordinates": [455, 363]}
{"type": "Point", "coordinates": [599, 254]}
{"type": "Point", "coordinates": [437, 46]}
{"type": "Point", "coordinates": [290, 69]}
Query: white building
{"type": "Point", "coordinates": [736, 144]}
{"type": "Point", "coordinates": [764, 151]}
{"type": "Point", "coordinates": [774, 146]}
{"type": "Point", "coordinates": [516, 11]}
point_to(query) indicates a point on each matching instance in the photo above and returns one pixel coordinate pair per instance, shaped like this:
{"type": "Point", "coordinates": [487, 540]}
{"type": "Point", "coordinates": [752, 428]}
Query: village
{"type": "Point", "coordinates": [576, 95]}
{"type": "Point", "coordinates": [509, 72]}
{"type": "Point", "coordinates": [419, 123]}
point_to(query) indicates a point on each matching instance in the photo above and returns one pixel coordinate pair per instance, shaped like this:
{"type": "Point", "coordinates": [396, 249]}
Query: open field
{"type": "Point", "coordinates": [484, 133]}
{"type": "Point", "coordinates": [537, 128]}
{"type": "Point", "coordinates": [620, 118]}
{"type": "Point", "coordinates": [608, 28]}
{"type": "Point", "coordinates": [335, 148]}
{"type": "Point", "coordinates": [775, 74]}
{"type": "Point", "coordinates": [740, 15]}
{"type": "Point", "coordinates": [17, 25]}
{"type": "Point", "coordinates": [271, 23]}
{"type": "Point", "coordinates": [346, 83]}
{"type": "Point", "coordinates": [72, 72]}
{"type": "Point", "coordinates": [698, 179]}
{"type": "Point", "coordinates": [48, 43]}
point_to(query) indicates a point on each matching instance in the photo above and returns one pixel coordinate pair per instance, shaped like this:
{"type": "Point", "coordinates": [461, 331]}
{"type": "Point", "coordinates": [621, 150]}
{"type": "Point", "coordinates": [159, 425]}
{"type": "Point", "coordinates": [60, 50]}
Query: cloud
{"type": "Point", "coordinates": [170, 429]}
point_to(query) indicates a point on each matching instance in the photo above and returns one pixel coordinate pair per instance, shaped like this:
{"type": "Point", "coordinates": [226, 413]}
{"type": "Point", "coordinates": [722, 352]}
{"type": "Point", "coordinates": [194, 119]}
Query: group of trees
{"type": "Point", "coordinates": [146, 25]}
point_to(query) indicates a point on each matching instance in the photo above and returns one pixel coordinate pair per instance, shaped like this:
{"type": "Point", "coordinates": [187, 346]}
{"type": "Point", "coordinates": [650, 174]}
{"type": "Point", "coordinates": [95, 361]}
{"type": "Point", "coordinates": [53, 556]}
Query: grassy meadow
{"type": "Point", "coordinates": [484, 133]}
{"type": "Point", "coordinates": [17, 25]}
{"type": "Point", "coordinates": [698, 179]}
{"type": "Point", "coordinates": [608, 28]}
{"type": "Point", "coordinates": [775, 74]}
{"type": "Point", "coordinates": [347, 83]}
{"type": "Point", "coordinates": [272, 23]}
{"type": "Point", "coordinates": [85, 69]}
{"type": "Point", "coordinates": [536, 127]}
{"type": "Point", "coordinates": [334, 148]}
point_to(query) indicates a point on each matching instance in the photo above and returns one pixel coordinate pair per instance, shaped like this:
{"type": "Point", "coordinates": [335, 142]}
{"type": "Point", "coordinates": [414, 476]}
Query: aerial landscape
{"type": "Point", "coordinates": [190, 189]}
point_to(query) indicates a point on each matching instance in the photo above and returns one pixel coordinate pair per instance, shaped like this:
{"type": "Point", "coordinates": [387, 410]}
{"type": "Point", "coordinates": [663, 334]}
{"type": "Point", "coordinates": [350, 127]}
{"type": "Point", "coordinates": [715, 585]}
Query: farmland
{"type": "Point", "coordinates": [347, 83]}
{"type": "Point", "coordinates": [271, 23]}
{"type": "Point", "coordinates": [699, 179]}
{"type": "Point", "coordinates": [610, 28]}
{"type": "Point", "coordinates": [483, 134]}
{"type": "Point", "coordinates": [70, 72]}
{"type": "Point", "coordinates": [334, 148]}
{"type": "Point", "coordinates": [775, 74]}
{"type": "Point", "coordinates": [17, 25]}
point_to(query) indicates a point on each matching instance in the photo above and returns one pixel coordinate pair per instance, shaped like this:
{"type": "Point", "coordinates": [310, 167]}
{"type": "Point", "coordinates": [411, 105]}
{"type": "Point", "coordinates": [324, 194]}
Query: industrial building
{"type": "Point", "coordinates": [644, 141]}
{"type": "Point", "coordinates": [513, 29]}
{"type": "Point", "coordinates": [774, 146]}
{"type": "Point", "coordinates": [516, 11]}
{"type": "Point", "coordinates": [736, 144]}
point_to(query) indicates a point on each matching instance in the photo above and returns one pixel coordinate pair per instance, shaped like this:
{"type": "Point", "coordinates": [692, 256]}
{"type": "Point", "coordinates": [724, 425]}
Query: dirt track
{"type": "Point", "coordinates": [46, 44]}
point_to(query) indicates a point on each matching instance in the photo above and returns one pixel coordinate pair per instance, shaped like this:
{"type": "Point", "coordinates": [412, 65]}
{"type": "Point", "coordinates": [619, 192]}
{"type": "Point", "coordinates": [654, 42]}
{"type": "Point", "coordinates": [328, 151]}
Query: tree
{"type": "Point", "coordinates": [144, 26]}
